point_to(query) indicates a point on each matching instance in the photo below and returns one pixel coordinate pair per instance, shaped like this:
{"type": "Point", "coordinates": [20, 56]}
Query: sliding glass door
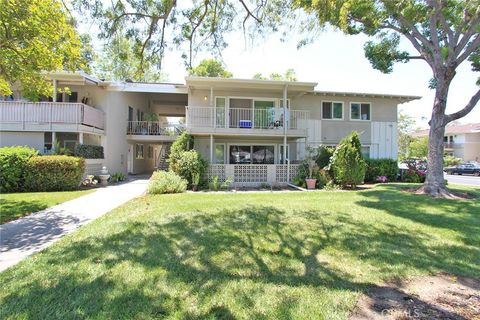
{"type": "Point", "coordinates": [264, 113]}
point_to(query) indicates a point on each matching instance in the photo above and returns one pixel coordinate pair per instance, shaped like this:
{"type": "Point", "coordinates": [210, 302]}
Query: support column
{"type": "Point", "coordinates": [54, 98]}
{"type": "Point", "coordinates": [285, 124]}
{"type": "Point", "coordinates": [211, 149]}
{"type": "Point", "coordinates": [54, 140]}
{"type": "Point", "coordinates": [80, 137]}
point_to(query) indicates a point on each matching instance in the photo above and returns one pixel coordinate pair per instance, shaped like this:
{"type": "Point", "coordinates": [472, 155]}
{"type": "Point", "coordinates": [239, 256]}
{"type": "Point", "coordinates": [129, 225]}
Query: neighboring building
{"type": "Point", "coordinates": [237, 124]}
{"type": "Point", "coordinates": [460, 140]}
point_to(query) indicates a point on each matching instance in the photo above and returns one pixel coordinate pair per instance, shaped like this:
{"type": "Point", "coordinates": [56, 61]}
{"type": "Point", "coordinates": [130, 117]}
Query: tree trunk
{"type": "Point", "coordinates": [435, 183]}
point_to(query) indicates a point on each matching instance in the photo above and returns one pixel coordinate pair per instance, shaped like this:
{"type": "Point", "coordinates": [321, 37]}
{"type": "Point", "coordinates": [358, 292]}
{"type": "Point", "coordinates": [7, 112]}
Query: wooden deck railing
{"type": "Point", "coordinates": [51, 112]}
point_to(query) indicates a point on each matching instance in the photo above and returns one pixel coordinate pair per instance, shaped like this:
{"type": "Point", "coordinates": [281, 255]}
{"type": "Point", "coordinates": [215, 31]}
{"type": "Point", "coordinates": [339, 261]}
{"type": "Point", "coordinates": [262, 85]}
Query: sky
{"type": "Point", "coordinates": [337, 62]}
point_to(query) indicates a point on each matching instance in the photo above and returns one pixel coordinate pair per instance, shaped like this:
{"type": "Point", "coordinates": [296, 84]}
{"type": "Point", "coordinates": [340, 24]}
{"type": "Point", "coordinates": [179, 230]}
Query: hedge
{"type": "Point", "coordinates": [166, 182]}
{"type": "Point", "coordinates": [12, 167]}
{"type": "Point", "coordinates": [381, 167]}
{"type": "Point", "coordinates": [88, 151]}
{"type": "Point", "coordinates": [54, 173]}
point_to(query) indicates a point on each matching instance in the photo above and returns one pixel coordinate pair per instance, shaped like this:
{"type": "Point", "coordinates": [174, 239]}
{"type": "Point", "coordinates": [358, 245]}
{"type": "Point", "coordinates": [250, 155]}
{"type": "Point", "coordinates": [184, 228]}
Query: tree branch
{"type": "Point", "coordinates": [468, 50]}
{"type": "Point", "coordinates": [472, 25]}
{"type": "Point", "coordinates": [249, 13]}
{"type": "Point", "coordinates": [469, 107]}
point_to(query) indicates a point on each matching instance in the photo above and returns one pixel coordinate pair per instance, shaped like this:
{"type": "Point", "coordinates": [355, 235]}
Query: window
{"type": "Point", "coordinates": [365, 152]}
{"type": "Point", "coordinates": [219, 153]}
{"type": "Point", "coordinates": [332, 110]}
{"type": "Point", "coordinates": [130, 113]}
{"type": "Point", "coordinates": [280, 153]}
{"type": "Point", "coordinates": [252, 154]}
{"type": "Point", "coordinates": [220, 105]}
{"type": "Point", "coordinates": [47, 142]}
{"type": "Point", "coordinates": [263, 155]}
{"type": "Point", "coordinates": [150, 152]}
{"type": "Point", "coordinates": [139, 151]}
{"type": "Point", "coordinates": [359, 111]}
{"type": "Point", "coordinates": [72, 97]}
{"type": "Point", "coordinates": [240, 154]}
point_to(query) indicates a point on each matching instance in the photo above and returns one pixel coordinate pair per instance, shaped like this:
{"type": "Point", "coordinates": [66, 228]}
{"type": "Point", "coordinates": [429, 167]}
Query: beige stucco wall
{"type": "Point", "coordinates": [32, 139]}
{"type": "Point", "coordinates": [472, 147]}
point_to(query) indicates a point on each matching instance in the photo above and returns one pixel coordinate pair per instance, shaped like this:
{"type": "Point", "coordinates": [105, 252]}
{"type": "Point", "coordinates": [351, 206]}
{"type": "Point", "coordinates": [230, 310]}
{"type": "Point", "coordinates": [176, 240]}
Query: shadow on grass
{"type": "Point", "coordinates": [155, 270]}
{"type": "Point", "coordinates": [14, 209]}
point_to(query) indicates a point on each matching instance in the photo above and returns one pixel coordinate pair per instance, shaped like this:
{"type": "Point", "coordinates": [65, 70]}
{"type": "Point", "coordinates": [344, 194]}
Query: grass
{"type": "Point", "coordinates": [244, 256]}
{"type": "Point", "coordinates": [17, 205]}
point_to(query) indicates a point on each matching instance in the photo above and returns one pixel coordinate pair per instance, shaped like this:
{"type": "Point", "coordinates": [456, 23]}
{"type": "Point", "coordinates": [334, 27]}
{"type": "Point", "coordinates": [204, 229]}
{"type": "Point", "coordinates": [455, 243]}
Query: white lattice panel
{"type": "Point", "coordinates": [250, 173]}
{"type": "Point", "coordinates": [281, 171]}
{"type": "Point", "coordinates": [216, 170]}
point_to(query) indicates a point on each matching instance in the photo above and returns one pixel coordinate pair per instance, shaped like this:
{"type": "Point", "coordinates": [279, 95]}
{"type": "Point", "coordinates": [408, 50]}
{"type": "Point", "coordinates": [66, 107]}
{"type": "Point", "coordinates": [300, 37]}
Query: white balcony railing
{"type": "Point", "coordinates": [154, 128]}
{"type": "Point", "coordinates": [209, 117]}
{"type": "Point", "coordinates": [51, 113]}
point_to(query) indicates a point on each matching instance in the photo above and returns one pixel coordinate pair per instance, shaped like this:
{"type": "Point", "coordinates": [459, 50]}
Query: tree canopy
{"type": "Point", "coordinates": [35, 37]}
{"type": "Point", "coordinates": [289, 75]}
{"type": "Point", "coordinates": [210, 68]}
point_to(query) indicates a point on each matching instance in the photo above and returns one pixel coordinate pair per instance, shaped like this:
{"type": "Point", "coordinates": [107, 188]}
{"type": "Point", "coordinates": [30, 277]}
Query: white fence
{"type": "Point", "coordinates": [253, 174]}
{"type": "Point", "coordinates": [51, 112]}
{"type": "Point", "coordinates": [209, 117]}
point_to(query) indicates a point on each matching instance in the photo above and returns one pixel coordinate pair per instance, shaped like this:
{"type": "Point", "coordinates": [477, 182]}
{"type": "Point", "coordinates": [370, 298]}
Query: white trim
{"type": "Point", "coordinates": [332, 118]}
{"type": "Point", "coordinates": [360, 103]}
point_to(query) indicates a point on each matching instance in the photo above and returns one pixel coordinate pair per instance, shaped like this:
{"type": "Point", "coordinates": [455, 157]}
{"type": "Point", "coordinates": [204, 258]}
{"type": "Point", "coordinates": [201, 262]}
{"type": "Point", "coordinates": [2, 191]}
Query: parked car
{"type": "Point", "coordinates": [465, 168]}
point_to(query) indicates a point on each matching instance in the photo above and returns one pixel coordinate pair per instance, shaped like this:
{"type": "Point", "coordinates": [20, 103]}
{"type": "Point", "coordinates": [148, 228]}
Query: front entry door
{"type": "Point", "coordinates": [130, 159]}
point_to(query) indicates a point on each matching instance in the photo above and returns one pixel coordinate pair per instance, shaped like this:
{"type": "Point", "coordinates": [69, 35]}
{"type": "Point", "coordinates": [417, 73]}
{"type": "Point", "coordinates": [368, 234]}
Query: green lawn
{"type": "Point", "coordinates": [17, 205]}
{"type": "Point", "coordinates": [244, 256]}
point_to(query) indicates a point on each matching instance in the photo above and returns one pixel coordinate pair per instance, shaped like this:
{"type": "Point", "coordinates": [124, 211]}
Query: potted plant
{"type": "Point", "coordinates": [195, 181]}
{"type": "Point", "coordinates": [310, 161]}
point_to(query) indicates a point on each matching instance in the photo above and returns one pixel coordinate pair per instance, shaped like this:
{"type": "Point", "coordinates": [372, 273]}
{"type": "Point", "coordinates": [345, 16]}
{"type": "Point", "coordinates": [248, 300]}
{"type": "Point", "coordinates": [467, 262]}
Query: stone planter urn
{"type": "Point", "coordinates": [104, 176]}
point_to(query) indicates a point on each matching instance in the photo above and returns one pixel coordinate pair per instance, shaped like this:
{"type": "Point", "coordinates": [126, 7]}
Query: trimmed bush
{"type": "Point", "coordinates": [54, 173]}
{"type": "Point", "coordinates": [450, 161]}
{"type": "Point", "coordinates": [183, 143]}
{"type": "Point", "coordinates": [88, 151]}
{"type": "Point", "coordinates": [13, 161]}
{"type": "Point", "coordinates": [347, 162]}
{"type": "Point", "coordinates": [166, 182]}
{"type": "Point", "coordinates": [381, 167]}
{"type": "Point", "coordinates": [190, 164]}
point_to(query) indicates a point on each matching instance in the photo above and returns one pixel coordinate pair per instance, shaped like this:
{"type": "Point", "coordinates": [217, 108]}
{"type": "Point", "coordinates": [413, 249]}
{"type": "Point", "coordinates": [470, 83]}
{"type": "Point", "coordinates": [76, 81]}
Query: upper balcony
{"type": "Point", "coordinates": [246, 121]}
{"type": "Point", "coordinates": [50, 116]}
{"type": "Point", "coordinates": [154, 130]}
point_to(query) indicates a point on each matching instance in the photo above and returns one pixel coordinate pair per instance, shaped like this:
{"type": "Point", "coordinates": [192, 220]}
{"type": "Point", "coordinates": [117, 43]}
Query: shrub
{"type": "Point", "coordinates": [116, 177]}
{"type": "Point", "coordinates": [322, 176]}
{"type": "Point", "coordinates": [347, 161]}
{"type": "Point", "coordinates": [183, 143]}
{"type": "Point", "coordinates": [166, 182]}
{"type": "Point", "coordinates": [13, 161]}
{"type": "Point", "coordinates": [450, 161]}
{"type": "Point", "coordinates": [190, 164]}
{"type": "Point", "coordinates": [414, 175]}
{"type": "Point", "coordinates": [324, 154]}
{"type": "Point", "coordinates": [88, 151]}
{"type": "Point", "coordinates": [381, 167]}
{"type": "Point", "coordinates": [54, 173]}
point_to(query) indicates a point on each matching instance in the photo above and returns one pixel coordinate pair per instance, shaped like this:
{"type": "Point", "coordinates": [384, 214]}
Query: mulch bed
{"type": "Point", "coordinates": [438, 297]}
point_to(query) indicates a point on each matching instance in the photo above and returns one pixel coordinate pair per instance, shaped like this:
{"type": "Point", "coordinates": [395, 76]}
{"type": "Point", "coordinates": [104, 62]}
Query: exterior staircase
{"type": "Point", "coordinates": [162, 163]}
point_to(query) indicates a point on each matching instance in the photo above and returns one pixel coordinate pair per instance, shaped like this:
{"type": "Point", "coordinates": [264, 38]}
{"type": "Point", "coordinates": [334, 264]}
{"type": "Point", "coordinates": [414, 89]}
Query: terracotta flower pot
{"type": "Point", "coordinates": [311, 183]}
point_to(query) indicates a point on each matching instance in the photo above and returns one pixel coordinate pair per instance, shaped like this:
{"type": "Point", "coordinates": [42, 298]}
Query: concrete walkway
{"type": "Point", "coordinates": [25, 236]}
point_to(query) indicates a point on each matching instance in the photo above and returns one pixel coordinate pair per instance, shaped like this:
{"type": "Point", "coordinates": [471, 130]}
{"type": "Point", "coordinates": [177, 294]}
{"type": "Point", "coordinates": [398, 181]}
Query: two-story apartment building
{"type": "Point", "coordinates": [460, 140]}
{"type": "Point", "coordinates": [241, 126]}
